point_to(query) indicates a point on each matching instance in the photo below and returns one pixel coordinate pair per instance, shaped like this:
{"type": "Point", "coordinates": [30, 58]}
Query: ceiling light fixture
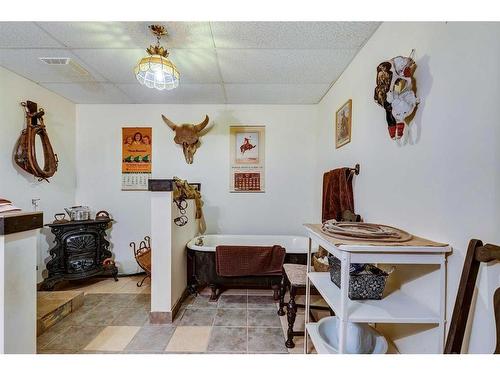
{"type": "Point", "coordinates": [156, 70]}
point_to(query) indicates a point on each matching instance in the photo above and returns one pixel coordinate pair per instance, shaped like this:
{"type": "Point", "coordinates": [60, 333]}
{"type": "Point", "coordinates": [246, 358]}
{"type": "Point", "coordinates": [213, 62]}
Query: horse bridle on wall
{"type": "Point", "coordinates": [181, 205]}
{"type": "Point", "coordinates": [25, 151]}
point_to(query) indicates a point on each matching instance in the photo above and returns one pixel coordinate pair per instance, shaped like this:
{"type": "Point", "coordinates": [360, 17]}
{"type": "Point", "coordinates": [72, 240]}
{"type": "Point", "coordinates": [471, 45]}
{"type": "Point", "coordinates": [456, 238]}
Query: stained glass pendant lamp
{"type": "Point", "coordinates": [156, 70]}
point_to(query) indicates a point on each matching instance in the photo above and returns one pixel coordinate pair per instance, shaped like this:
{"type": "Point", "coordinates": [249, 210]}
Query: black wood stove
{"type": "Point", "coordinates": [80, 251]}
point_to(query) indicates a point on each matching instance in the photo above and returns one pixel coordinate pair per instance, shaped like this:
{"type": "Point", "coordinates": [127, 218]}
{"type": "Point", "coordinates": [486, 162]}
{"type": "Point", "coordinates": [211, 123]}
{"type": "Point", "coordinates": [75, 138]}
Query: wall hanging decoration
{"type": "Point", "coordinates": [156, 70]}
{"type": "Point", "coordinates": [25, 149]}
{"type": "Point", "coordinates": [343, 121]}
{"type": "Point", "coordinates": [247, 148]}
{"type": "Point", "coordinates": [396, 92]}
{"type": "Point", "coordinates": [184, 190]}
{"type": "Point", "coordinates": [137, 147]}
{"type": "Point", "coordinates": [187, 135]}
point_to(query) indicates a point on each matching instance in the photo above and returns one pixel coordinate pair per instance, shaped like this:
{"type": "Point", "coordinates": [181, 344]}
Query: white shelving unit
{"type": "Point", "coordinates": [312, 330]}
{"type": "Point", "coordinates": [397, 307]}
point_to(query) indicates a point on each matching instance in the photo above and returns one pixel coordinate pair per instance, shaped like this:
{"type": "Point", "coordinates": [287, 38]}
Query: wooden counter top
{"type": "Point", "coordinates": [19, 221]}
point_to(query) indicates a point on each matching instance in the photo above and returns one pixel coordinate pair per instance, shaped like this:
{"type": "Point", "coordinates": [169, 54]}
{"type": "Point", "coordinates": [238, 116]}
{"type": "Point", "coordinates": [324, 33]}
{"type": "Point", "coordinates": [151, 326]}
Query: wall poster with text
{"type": "Point", "coordinates": [137, 146]}
{"type": "Point", "coordinates": [247, 153]}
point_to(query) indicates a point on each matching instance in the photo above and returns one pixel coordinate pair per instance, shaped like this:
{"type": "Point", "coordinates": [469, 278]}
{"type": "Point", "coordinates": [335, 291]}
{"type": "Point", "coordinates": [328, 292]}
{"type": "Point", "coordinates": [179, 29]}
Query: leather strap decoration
{"type": "Point", "coordinates": [25, 151]}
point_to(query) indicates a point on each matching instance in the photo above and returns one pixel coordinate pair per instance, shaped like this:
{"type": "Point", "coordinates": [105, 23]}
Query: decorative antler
{"type": "Point", "coordinates": [170, 124]}
{"type": "Point", "coordinates": [202, 124]}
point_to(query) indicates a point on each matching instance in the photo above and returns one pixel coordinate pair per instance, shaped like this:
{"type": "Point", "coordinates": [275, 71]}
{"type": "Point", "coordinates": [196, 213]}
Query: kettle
{"type": "Point", "coordinates": [78, 213]}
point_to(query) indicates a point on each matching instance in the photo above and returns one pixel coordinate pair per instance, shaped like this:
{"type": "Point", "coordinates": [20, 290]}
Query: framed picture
{"type": "Point", "coordinates": [247, 146]}
{"type": "Point", "coordinates": [343, 122]}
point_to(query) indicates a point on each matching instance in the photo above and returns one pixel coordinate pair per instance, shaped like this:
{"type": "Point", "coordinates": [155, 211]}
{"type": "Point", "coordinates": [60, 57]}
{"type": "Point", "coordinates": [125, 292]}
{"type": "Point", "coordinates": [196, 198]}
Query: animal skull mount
{"type": "Point", "coordinates": [396, 92]}
{"type": "Point", "coordinates": [187, 135]}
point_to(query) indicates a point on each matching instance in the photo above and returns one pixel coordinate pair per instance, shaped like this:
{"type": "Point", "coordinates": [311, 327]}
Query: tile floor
{"type": "Point", "coordinates": [115, 319]}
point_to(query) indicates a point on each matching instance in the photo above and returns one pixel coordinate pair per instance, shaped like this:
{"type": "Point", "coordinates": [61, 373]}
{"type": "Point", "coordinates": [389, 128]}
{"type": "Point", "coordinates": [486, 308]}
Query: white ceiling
{"type": "Point", "coordinates": [220, 62]}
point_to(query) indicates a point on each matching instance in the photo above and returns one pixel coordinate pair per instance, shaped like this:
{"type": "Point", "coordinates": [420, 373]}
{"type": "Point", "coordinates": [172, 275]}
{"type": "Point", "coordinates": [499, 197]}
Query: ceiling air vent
{"type": "Point", "coordinates": [67, 68]}
{"type": "Point", "coordinates": [55, 60]}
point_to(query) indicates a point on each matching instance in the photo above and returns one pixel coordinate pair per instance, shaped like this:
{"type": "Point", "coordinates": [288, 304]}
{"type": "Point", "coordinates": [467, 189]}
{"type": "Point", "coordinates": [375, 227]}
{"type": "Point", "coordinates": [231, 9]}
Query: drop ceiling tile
{"type": "Point", "coordinates": [25, 35]}
{"type": "Point", "coordinates": [89, 92]}
{"type": "Point", "coordinates": [26, 63]}
{"type": "Point", "coordinates": [128, 34]}
{"type": "Point", "coordinates": [184, 94]}
{"type": "Point", "coordinates": [275, 94]}
{"type": "Point", "coordinates": [196, 65]}
{"type": "Point", "coordinates": [300, 35]}
{"type": "Point", "coordinates": [283, 66]}
{"type": "Point", "coordinates": [117, 65]}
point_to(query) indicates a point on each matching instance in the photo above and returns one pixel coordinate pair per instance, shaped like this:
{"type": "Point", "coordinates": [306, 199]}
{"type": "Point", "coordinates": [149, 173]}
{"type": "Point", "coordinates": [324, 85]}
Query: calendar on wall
{"type": "Point", "coordinates": [137, 144]}
{"type": "Point", "coordinates": [246, 181]}
{"type": "Point", "coordinates": [247, 159]}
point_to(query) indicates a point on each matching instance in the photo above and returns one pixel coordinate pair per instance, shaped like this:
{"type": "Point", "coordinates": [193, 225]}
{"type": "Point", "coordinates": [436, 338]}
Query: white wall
{"type": "Point", "coordinates": [443, 181]}
{"type": "Point", "coordinates": [286, 204]}
{"type": "Point", "coordinates": [19, 186]}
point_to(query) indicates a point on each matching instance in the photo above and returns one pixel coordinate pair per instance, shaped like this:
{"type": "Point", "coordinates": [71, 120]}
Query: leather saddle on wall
{"type": "Point", "coordinates": [25, 151]}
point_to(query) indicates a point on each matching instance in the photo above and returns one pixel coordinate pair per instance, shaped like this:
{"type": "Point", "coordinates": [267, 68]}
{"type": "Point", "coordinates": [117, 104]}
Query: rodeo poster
{"type": "Point", "coordinates": [136, 158]}
{"type": "Point", "coordinates": [247, 159]}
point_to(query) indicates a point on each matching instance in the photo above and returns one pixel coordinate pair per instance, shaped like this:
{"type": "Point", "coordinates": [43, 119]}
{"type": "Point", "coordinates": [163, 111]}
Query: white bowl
{"type": "Point", "coordinates": [360, 337]}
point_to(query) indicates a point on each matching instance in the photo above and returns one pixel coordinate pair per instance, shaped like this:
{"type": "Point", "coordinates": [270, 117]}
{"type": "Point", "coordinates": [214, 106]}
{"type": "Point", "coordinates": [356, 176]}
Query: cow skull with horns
{"type": "Point", "coordinates": [187, 135]}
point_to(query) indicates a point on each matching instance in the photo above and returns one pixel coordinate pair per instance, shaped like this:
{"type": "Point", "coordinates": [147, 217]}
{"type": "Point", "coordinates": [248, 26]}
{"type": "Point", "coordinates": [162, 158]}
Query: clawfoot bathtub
{"type": "Point", "coordinates": [201, 261]}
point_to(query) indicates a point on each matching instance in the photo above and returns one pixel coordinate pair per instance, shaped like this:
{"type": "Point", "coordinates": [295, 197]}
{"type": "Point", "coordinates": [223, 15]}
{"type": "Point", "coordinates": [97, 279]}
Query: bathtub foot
{"type": "Point", "coordinates": [213, 296]}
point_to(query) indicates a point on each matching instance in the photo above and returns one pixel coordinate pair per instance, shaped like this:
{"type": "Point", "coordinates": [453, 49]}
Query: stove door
{"type": "Point", "coordinates": [82, 255]}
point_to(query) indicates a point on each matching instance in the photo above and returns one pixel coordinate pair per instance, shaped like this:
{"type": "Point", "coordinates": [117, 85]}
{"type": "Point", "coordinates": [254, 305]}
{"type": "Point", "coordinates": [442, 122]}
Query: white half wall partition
{"type": "Point", "coordinates": [168, 249]}
{"type": "Point", "coordinates": [19, 232]}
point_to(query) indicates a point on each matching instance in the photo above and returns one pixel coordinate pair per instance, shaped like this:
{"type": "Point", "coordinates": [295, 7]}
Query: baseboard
{"type": "Point", "coordinates": [167, 317]}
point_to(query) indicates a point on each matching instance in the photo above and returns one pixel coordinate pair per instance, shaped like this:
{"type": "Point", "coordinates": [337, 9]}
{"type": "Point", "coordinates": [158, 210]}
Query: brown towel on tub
{"type": "Point", "coordinates": [337, 194]}
{"type": "Point", "coordinates": [249, 260]}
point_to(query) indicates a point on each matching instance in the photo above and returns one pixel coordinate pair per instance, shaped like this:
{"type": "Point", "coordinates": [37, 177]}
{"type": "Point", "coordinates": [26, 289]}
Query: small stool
{"type": "Point", "coordinates": [294, 277]}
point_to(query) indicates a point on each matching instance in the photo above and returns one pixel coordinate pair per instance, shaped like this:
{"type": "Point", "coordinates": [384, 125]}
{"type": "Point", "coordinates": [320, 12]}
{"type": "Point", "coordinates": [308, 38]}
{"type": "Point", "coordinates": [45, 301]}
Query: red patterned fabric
{"type": "Point", "coordinates": [249, 260]}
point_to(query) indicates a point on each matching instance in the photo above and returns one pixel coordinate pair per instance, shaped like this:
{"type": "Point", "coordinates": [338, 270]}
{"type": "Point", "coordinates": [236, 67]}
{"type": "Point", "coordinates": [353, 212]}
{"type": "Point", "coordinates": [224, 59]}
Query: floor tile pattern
{"type": "Point", "coordinates": [114, 321]}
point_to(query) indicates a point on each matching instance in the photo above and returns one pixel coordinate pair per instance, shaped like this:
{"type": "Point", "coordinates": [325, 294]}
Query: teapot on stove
{"type": "Point", "coordinates": [78, 213]}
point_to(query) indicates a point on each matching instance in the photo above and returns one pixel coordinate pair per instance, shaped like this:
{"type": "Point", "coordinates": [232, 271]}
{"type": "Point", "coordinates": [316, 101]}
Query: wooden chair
{"type": "Point", "coordinates": [476, 253]}
{"type": "Point", "coordinates": [294, 278]}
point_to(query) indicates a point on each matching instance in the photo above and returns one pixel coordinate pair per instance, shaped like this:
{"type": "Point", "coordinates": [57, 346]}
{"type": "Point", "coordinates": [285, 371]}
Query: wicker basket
{"type": "Point", "coordinates": [143, 254]}
{"type": "Point", "coordinates": [367, 285]}
{"type": "Point", "coordinates": [318, 266]}
{"type": "Point", "coordinates": [144, 259]}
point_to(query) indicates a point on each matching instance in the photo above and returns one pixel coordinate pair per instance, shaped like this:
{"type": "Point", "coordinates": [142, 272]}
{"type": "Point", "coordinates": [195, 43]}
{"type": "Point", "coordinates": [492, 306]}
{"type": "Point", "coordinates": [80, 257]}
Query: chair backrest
{"type": "Point", "coordinates": [476, 253]}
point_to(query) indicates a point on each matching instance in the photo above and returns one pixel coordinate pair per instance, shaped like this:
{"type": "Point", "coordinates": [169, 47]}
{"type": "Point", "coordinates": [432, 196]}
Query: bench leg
{"type": "Point", "coordinates": [281, 312]}
{"type": "Point", "coordinates": [276, 291]}
{"type": "Point", "coordinates": [213, 296]}
{"type": "Point", "coordinates": [291, 313]}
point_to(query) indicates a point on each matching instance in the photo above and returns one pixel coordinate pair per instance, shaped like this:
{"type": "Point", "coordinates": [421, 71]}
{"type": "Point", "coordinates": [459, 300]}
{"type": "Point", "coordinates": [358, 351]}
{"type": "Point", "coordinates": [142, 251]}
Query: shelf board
{"type": "Point", "coordinates": [396, 307]}
{"type": "Point", "coordinates": [416, 245]}
{"type": "Point", "coordinates": [312, 330]}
